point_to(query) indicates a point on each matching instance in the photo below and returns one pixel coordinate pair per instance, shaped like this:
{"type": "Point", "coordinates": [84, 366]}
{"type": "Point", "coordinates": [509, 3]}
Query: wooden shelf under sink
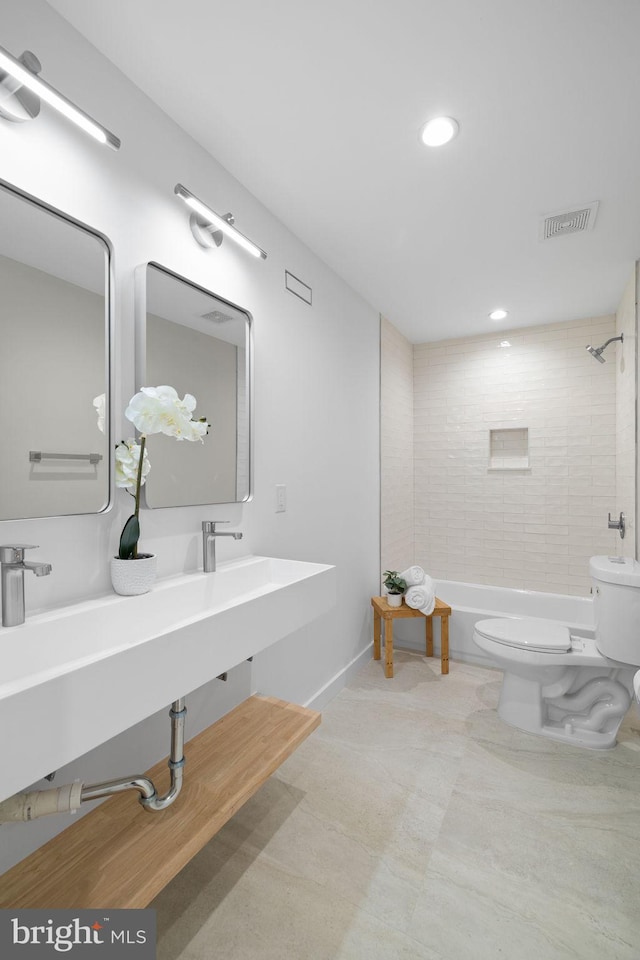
{"type": "Point", "coordinates": [119, 855]}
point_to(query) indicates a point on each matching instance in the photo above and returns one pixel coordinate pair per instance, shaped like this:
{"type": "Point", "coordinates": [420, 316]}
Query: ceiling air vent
{"type": "Point", "coordinates": [217, 316]}
{"type": "Point", "coordinates": [568, 221]}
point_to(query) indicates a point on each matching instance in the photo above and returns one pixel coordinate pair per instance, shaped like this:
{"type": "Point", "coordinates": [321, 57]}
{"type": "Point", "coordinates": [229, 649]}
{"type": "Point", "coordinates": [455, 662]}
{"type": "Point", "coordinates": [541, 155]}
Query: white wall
{"type": "Point", "coordinates": [316, 385]}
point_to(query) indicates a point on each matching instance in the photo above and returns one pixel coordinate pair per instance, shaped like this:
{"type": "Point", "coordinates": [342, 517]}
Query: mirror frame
{"type": "Point", "coordinates": [109, 335]}
{"type": "Point", "coordinates": [141, 366]}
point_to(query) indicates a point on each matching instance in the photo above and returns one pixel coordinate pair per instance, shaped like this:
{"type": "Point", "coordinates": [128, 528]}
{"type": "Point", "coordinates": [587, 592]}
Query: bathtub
{"type": "Point", "coordinates": [471, 602]}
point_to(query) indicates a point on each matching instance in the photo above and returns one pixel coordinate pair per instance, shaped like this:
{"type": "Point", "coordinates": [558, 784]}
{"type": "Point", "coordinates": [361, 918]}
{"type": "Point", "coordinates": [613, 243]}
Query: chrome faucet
{"type": "Point", "coordinates": [13, 566]}
{"type": "Point", "coordinates": [209, 534]}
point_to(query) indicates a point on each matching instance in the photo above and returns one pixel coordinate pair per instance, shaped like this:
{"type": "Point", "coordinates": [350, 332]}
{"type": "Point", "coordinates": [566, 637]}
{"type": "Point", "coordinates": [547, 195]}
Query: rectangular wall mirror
{"type": "Point", "coordinates": [54, 363]}
{"type": "Point", "coordinates": [200, 344]}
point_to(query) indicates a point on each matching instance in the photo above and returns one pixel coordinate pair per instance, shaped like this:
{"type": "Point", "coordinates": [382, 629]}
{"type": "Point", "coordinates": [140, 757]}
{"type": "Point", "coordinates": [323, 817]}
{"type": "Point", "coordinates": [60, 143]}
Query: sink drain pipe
{"type": "Point", "coordinates": [68, 799]}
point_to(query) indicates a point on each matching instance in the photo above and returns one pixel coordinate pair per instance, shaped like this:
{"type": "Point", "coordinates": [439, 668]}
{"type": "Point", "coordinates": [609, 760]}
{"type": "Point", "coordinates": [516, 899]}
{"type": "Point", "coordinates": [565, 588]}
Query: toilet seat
{"type": "Point", "coordinates": [540, 636]}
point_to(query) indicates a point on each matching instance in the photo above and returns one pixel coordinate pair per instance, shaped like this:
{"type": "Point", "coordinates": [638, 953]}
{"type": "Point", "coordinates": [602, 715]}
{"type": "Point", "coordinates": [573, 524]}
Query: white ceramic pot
{"type": "Point", "coordinates": [394, 599]}
{"type": "Point", "coordinates": [130, 578]}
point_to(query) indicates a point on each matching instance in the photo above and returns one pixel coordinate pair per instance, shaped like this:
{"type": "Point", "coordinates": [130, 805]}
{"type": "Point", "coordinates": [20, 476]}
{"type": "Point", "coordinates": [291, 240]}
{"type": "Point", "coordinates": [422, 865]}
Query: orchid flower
{"type": "Point", "coordinates": [151, 410]}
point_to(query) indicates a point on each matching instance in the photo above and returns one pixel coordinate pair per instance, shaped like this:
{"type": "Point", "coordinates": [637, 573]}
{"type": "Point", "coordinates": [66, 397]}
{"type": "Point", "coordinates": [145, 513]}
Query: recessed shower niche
{"type": "Point", "coordinates": [509, 449]}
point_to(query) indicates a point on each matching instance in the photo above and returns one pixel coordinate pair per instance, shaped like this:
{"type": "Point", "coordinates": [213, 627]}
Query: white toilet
{"type": "Point", "coordinates": [572, 684]}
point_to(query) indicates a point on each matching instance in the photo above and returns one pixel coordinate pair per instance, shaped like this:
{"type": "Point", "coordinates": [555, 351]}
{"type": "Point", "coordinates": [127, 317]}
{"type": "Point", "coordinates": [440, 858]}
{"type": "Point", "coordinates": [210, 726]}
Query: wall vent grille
{"type": "Point", "coordinates": [568, 221]}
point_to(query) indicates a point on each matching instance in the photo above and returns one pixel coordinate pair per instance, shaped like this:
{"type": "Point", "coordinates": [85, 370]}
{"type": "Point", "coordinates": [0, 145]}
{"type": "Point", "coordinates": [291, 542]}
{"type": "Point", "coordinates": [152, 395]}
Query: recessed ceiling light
{"type": "Point", "coordinates": [440, 130]}
{"type": "Point", "coordinates": [498, 314]}
{"type": "Point", "coordinates": [505, 343]}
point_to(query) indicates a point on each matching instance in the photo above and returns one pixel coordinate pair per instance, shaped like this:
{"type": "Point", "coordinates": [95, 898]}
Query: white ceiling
{"type": "Point", "coordinates": [316, 108]}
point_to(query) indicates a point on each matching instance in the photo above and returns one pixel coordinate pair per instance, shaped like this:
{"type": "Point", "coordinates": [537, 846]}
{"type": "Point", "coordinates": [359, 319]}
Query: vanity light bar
{"type": "Point", "coordinates": [220, 223]}
{"type": "Point", "coordinates": [14, 68]}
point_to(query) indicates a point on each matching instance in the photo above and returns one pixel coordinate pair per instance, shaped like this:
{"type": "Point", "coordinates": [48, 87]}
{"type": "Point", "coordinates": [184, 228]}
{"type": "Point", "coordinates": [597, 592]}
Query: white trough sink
{"type": "Point", "coordinates": [75, 677]}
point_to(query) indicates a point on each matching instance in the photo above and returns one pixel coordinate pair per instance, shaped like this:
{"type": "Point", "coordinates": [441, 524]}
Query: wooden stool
{"type": "Point", "coordinates": [382, 610]}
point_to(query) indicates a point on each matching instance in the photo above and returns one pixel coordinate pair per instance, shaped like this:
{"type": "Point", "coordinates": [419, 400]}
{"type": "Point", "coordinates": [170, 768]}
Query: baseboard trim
{"type": "Point", "coordinates": [333, 687]}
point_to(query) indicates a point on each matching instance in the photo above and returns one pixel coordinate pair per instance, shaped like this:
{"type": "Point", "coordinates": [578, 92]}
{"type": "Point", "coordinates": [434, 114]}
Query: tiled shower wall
{"type": "Point", "coordinates": [396, 443]}
{"type": "Point", "coordinates": [533, 518]}
{"type": "Point", "coordinates": [626, 414]}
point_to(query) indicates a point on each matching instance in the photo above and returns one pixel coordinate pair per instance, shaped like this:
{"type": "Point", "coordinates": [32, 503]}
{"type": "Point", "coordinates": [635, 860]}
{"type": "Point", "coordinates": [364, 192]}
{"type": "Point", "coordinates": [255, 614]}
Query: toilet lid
{"type": "Point", "coordinates": [544, 636]}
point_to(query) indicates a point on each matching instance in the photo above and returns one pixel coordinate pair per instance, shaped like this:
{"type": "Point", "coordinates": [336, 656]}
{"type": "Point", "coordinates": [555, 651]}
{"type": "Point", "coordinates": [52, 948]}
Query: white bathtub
{"type": "Point", "coordinates": [471, 602]}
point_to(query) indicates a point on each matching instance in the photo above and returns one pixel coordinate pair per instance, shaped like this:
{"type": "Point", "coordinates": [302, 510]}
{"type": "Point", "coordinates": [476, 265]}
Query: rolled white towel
{"type": "Point", "coordinates": [413, 576]}
{"type": "Point", "coordinates": [422, 597]}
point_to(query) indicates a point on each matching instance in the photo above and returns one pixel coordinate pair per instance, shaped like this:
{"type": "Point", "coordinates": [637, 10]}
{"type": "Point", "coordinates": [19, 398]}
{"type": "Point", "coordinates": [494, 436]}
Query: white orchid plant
{"type": "Point", "coordinates": [152, 410]}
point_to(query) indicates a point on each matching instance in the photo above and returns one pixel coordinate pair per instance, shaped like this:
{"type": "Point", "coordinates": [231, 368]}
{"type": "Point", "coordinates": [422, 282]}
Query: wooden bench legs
{"type": "Point", "coordinates": [444, 644]}
{"type": "Point", "coordinates": [388, 648]}
{"type": "Point", "coordinates": [382, 611]}
{"type": "Point", "coordinates": [444, 640]}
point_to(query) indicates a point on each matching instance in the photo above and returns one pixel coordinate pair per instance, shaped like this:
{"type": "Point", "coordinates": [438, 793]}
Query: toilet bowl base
{"type": "Point", "coordinates": [589, 739]}
{"type": "Point", "coordinates": [588, 717]}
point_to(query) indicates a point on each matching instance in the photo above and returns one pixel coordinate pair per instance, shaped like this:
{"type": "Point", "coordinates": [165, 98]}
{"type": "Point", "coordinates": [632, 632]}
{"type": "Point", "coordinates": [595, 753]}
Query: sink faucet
{"type": "Point", "coordinates": [209, 534]}
{"type": "Point", "coordinates": [13, 566]}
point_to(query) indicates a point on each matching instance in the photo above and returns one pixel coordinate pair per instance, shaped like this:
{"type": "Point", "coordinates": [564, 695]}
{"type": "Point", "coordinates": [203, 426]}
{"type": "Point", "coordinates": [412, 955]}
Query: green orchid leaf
{"type": "Point", "coordinates": [129, 538]}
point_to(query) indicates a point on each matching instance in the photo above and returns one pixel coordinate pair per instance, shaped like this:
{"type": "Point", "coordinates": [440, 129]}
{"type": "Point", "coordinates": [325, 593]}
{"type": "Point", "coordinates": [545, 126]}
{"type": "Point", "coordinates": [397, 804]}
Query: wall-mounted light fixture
{"type": "Point", "coordinates": [21, 90]}
{"type": "Point", "coordinates": [208, 227]}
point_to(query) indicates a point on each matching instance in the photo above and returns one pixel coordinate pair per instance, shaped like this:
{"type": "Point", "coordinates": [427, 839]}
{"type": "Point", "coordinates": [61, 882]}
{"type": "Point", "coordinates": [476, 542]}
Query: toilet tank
{"type": "Point", "coordinates": [616, 607]}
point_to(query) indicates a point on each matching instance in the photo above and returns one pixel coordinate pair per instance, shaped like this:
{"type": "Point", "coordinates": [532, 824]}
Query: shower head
{"type": "Point", "coordinates": [598, 351]}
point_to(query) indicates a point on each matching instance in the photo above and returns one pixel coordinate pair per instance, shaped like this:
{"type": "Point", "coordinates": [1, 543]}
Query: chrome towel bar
{"type": "Point", "coordinates": [35, 456]}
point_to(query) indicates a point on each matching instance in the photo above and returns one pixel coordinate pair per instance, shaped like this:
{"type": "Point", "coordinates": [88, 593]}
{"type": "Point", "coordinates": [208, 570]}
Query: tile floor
{"type": "Point", "coordinates": [414, 825]}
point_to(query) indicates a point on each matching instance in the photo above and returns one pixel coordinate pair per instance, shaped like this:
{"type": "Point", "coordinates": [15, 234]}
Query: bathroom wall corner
{"type": "Point", "coordinates": [396, 449]}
